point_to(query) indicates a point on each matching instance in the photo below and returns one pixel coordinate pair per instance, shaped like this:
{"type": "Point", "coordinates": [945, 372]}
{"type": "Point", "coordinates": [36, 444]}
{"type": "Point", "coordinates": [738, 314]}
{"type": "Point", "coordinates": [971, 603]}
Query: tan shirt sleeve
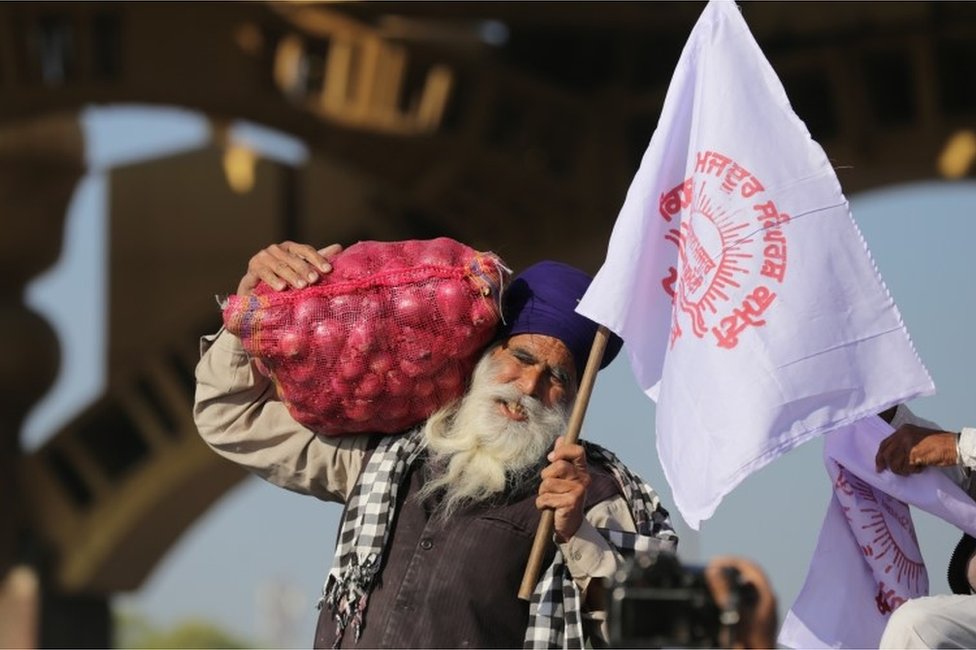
{"type": "Point", "coordinates": [588, 554]}
{"type": "Point", "coordinates": [238, 414]}
{"type": "Point", "coordinates": [590, 558]}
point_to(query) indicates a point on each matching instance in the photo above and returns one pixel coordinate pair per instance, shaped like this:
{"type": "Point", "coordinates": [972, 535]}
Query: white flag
{"type": "Point", "coordinates": [867, 561]}
{"type": "Point", "coordinates": [749, 304]}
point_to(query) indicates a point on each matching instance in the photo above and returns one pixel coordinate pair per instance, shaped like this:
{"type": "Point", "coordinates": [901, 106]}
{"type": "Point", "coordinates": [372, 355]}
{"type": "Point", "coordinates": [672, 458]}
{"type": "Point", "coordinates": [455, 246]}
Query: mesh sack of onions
{"type": "Point", "coordinates": [384, 340]}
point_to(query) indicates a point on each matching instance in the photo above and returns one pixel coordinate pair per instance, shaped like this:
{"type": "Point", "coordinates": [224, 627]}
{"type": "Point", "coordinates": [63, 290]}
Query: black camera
{"type": "Point", "coordinates": [656, 602]}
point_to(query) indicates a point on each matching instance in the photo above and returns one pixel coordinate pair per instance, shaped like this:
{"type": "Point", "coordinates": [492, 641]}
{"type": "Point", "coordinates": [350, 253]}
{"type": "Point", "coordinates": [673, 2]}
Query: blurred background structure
{"type": "Point", "coordinates": [514, 127]}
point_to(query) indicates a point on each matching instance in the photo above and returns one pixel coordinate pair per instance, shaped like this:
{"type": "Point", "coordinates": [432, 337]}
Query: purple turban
{"type": "Point", "coordinates": [542, 299]}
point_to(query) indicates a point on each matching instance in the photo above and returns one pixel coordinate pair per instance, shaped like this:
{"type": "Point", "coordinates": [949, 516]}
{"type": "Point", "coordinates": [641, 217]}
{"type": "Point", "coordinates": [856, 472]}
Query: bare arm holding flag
{"type": "Point", "coordinates": [911, 449]}
{"type": "Point", "coordinates": [917, 444]}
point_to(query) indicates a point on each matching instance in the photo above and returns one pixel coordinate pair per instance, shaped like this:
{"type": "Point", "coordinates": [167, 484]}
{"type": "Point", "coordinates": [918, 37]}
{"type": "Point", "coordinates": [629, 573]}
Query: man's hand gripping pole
{"type": "Point", "coordinates": [543, 534]}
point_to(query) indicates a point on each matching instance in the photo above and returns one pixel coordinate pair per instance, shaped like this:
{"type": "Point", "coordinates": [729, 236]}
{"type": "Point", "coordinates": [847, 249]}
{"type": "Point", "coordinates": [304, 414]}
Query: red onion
{"type": "Point", "coordinates": [424, 388]}
{"type": "Point", "coordinates": [306, 314]}
{"type": "Point", "coordinates": [291, 344]}
{"type": "Point", "coordinates": [453, 300]}
{"type": "Point", "coordinates": [381, 362]}
{"type": "Point", "coordinates": [483, 312]}
{"type": "Point", "coordinates": [362, 338]}
{"type": "Point", "coordinates": [359, 410]}
{"type": "Point", "coordinates": [369, 387]}
{"type": "Point", "coordinates": [397, 384]}
{"type": "Point", "coordinates": [328, 337]}
{"type": "Point", "coordinates": [408, 308]}
{"type": "Point", "coordinates": [350, 265]}
{"type": "Point", "coordinates": [351, 366]}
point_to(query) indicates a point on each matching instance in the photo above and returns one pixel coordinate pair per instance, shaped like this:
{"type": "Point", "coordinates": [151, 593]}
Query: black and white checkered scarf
{"type": "Point", "coordinates": [555, 620]}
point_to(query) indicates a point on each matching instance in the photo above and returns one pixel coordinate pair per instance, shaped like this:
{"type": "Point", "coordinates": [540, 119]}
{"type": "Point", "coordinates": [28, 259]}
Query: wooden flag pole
{"type": "Point", "coordinates": [544, 532]}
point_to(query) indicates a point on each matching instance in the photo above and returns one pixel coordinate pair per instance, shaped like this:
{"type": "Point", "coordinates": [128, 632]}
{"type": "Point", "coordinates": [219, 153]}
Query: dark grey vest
{"type": "Point", "coordinates": [453, 584]}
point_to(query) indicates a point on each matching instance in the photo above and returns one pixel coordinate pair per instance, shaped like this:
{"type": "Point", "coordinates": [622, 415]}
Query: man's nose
{"type": "Point", "coordinates": [530, 382]}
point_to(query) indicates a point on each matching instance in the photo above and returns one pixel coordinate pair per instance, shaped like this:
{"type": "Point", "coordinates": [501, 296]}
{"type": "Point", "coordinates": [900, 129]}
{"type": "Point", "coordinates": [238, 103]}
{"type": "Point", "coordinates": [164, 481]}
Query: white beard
{"type": "Point", "coordinates": [475, 452]}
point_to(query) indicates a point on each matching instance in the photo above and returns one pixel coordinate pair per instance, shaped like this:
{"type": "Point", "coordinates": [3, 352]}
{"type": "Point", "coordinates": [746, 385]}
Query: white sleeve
{"type": "Point", "coordinates": [967, 447]}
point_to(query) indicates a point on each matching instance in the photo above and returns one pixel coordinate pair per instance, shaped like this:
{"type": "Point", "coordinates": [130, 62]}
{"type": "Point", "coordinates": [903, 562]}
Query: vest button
{"type": "Point", "coordinates": [426, 544]}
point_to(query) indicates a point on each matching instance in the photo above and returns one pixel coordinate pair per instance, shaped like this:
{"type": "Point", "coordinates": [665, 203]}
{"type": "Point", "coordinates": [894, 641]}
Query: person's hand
{"type": "Point", "coordinates": [563, 488]}
{"type": "Point", "coordinates": [287, 263]}
{"type": "Point", "coordinates": [911, 449]}
{"type": "Point", "coordinates": [757, 609]}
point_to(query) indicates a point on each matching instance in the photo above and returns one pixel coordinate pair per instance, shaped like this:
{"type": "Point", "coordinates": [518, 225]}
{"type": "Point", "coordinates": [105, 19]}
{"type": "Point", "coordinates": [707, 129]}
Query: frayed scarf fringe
{"type": "Point", "coordinates": [347, 595]}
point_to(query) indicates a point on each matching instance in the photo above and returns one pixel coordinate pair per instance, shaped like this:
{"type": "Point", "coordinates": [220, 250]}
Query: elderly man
{"type": "Point", "coordinates": [941, 621]}
{"type": "Point", "coordinates": [439, 521]}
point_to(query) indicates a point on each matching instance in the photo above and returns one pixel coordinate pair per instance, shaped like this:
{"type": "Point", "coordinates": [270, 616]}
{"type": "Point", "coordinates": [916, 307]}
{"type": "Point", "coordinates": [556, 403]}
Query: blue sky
{"type": "Point", "coordinates": [263, 545]}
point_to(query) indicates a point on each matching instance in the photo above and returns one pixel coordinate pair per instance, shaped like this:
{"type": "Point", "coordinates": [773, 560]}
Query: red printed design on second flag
{"type": "Point", "coordinates": [731, 250]}
{"type": "Point", "coordinates": [884, 531]}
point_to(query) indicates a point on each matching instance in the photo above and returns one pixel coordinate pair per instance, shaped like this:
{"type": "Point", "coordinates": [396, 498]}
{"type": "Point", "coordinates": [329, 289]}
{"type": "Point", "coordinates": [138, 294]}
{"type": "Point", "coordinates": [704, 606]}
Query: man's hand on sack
{"type": "Point", "coordinates": [910, 449]}
{"type": "Point", "coordinates": [287, 263]}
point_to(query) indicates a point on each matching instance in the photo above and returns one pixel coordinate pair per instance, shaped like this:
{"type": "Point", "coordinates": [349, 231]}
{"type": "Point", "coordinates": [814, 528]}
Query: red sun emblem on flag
{"type": "Point", "coordinates": [882, 526]}
{"type": "Point", "coordinates": [731, 249]}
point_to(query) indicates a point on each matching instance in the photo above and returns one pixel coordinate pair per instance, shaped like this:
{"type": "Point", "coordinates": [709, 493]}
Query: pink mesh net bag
{"type": "Point", "coordinates": [387, 338]}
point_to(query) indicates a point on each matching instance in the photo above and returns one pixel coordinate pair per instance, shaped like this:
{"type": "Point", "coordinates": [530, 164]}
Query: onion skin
{"type": "Point", "coordinates": [291, 344]}
{"type": "Point", "coordinates": [397, 384]}
{"type": "Point", "coordinates": [409, 307]}
{"type": "Point", "coordinates": [328, 337]}
{"type": "Point", "coordinates": [351, 366]}
{"type": "Point", "coordinates": [453, 301]}
{"type": "Point", "coordinates": [369, 386]}
{"type": "Point", "coordinates": [482, 313]}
